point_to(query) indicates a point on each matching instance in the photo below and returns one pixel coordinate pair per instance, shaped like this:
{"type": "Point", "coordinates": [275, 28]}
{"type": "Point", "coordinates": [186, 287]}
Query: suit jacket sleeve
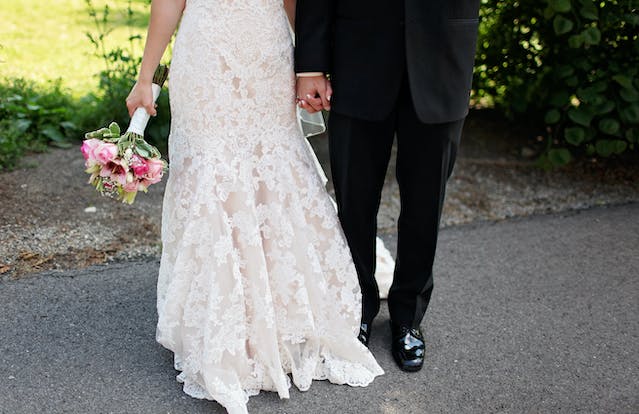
{"type": "Point", "coordinates": [313, 35]}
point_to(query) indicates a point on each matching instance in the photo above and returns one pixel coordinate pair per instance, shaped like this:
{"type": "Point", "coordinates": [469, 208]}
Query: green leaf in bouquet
{"type": "Point", "coordinates": [114, 128]}
{"type": "Point", "coordinates": [104, 132]}
{"type": "Point", "coordinates": [149, 149]}
{"type": "Point", "coordinates": [128, 198]}
{"type": "Point", "coordinates": [155, 153]}
{"type": "Point", "coordinates": [141, 143]}
{"type": "Point", "coordinates": [142, 151]}
{"type": "Point", "coordinates": [97, 134]}
{"type": "Point", "coordinates": [122, 146]}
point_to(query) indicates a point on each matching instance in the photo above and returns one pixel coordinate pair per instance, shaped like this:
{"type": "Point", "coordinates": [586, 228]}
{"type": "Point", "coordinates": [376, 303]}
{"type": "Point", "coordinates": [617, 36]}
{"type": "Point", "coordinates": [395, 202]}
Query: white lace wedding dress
{"type": "Point", "coordinates": [256, 280]}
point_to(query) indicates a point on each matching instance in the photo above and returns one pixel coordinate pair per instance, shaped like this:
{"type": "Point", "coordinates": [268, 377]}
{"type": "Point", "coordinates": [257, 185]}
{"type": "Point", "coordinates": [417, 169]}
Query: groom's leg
{"type": "Point", "coordinates": [425, 158]}
{"type": "Point", "coordinates": [359, 152]}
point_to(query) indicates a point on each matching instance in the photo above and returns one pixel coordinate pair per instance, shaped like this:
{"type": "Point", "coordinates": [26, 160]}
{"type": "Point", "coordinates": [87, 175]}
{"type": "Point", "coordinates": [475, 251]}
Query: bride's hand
{"type": "Point", "coordinates": [141, 96]}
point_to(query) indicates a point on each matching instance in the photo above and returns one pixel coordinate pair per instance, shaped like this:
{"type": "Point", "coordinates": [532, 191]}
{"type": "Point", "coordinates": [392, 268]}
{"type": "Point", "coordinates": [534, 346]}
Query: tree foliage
{"type": "Point", "coordinates": [571, 64]}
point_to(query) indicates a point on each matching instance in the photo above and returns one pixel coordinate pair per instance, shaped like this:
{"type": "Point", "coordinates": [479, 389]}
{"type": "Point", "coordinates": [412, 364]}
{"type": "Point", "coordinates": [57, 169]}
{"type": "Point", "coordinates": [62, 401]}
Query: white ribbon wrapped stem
{"type": "Point", "coordinates": [140, 117]}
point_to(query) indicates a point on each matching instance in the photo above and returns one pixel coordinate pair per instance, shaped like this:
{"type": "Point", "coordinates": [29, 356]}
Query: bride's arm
{"type": "Point", "coordinates": [289, 6]}
{"type": "Point", "coordinates": [165, 15]}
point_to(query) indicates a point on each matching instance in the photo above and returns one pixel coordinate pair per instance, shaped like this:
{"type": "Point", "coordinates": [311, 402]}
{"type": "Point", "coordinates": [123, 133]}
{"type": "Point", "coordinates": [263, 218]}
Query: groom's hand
{"type": "Point", "coordinates": [314, 93]}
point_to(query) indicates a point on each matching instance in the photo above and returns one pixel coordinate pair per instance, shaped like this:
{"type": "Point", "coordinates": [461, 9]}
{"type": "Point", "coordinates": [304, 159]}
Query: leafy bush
{"type": "Point", "coordinates": [121, 64]}
{"type": "Point", "coordinates": [571, 64]}
{"type": "Point", "coordinates": [33, 116]}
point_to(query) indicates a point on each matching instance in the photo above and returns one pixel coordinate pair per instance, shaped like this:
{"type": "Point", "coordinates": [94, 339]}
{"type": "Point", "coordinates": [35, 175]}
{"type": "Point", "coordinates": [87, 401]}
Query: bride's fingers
{"type": "Point", "coordinates": [315, 103]}
{"type": "Point", "coordinates": [305, 106]}
{"type": "Point", "coordinates": [130, 107]}
{"type": "Point", "coordinates": [150, 109]}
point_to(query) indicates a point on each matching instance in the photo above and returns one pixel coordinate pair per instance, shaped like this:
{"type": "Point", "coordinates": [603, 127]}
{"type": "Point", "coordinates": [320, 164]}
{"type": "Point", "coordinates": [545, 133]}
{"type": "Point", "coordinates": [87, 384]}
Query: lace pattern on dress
{"type": "Point", "coordinates": [256, 280]}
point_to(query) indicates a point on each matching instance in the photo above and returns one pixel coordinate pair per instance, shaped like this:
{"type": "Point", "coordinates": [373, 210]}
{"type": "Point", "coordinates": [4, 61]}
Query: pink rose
{"type": "Point", "coordinates": [88, 146]}
{"type": "Point", "coordinates": [139, 165]}
{"type": "Point", "coordinates": [105, 152]}
{"type": "Point", "coordinates": [156, 170]}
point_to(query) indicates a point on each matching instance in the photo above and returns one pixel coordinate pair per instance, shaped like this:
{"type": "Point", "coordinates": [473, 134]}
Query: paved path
{"type": "Point", "coordinates": [534, 315]}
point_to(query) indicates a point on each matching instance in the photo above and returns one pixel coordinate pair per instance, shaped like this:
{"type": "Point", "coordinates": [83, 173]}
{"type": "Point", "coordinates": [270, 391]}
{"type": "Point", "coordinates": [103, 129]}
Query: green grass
{"type": "Point", "coordinates": [42, 40]}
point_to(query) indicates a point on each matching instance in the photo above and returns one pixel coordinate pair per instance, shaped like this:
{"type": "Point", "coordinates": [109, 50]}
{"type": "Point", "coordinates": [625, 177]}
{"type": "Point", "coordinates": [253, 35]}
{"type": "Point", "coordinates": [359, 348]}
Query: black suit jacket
{"type": "Point", "coordinates": [368, 45]}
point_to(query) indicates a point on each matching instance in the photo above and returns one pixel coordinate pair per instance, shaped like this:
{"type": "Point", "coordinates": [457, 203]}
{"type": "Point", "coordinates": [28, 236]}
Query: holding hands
{"type": "Point", "coordinates": [314, 92]}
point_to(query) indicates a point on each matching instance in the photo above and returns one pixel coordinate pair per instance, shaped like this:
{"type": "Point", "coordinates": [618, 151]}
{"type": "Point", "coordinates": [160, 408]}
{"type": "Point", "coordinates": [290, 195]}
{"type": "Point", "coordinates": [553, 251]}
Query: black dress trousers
{"type": "Point", "coordinates": [359, 153]}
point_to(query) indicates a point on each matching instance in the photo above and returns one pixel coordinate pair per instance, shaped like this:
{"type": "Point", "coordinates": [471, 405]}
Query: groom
{"type": "Point", "coordinates": [397, 68]}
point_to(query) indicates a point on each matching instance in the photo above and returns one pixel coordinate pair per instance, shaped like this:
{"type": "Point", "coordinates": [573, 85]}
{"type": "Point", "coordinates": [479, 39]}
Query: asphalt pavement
{"type": "Point", "coordinates": [535, 315]}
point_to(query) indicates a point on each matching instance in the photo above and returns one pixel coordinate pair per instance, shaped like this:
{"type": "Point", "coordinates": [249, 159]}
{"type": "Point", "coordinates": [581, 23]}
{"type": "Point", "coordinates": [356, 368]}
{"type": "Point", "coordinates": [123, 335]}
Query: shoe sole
{"type": "Point", "coordinates": [411, 369]}
{"type": "Point", "coordinates": [406, 368]}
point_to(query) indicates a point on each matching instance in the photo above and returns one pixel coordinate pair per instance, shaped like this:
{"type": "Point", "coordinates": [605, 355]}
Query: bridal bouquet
{"type": "Point", "coordinates": [122, 165]}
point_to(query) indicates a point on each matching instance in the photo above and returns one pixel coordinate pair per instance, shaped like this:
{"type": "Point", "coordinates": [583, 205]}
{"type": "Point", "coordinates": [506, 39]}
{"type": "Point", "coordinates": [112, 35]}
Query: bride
{"type": "Point", "coordinates": [256, 280]}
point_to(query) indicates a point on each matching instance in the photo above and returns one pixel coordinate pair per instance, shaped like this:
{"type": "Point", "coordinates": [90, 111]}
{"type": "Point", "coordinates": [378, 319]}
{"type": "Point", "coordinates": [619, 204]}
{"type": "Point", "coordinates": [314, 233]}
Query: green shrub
{"type": "Point", "coordinates": [32, 117]}
{"type": "Point", "coordinates": [116, 80]}
{"type": "Point", "coordinates": [572, 65]}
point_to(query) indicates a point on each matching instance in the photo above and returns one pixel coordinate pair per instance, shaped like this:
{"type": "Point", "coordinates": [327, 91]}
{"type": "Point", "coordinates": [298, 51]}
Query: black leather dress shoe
{"type": "Point", "coordinates": [408, 347]}
{"type": "Point", "coordinates": [364, 333]}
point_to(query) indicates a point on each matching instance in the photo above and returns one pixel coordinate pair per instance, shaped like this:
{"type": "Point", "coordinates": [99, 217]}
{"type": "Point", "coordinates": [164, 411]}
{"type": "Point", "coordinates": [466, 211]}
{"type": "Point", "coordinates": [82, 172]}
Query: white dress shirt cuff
{"type": "Point", "coordinates": [309, 74]}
